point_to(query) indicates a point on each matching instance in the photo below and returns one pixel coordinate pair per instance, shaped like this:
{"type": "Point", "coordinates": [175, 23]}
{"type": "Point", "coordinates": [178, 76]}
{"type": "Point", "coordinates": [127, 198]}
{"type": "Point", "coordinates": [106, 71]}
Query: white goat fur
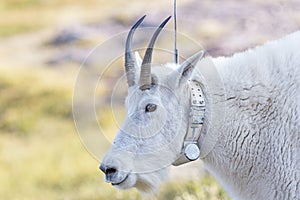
{"type": "Point", "coordinates": [258, 153]}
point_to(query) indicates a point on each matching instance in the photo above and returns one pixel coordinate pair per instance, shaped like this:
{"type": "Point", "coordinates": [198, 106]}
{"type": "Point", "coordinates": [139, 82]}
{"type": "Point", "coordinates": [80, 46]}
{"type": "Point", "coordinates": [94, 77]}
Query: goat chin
{"type": "Point", "coordinates": [149, 183]}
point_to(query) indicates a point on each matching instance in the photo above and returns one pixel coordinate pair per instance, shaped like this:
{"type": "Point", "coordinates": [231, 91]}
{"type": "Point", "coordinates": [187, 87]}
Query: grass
{"type": "Point", "coordinates": [41, 153]}
{"type": "Point", "coordinates": [21, 16]}
{"type": "Point", "coordinates": [25, 99]}
{"type": "Point", "coordinates": [41, 156]}
{"type": "Point", "coordinates": [199, 188]}
{"type": "Point", "coordinates": [9, 30]}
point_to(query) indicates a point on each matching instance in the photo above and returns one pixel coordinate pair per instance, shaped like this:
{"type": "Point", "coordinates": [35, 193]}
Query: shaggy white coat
{"type": "Point", "coordinates": [257, 155]}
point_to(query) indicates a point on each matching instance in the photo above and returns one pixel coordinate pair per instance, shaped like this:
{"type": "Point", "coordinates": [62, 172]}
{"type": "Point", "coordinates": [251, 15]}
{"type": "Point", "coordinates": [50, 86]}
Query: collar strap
{"type": "Point", "coordinates": [190, 149]}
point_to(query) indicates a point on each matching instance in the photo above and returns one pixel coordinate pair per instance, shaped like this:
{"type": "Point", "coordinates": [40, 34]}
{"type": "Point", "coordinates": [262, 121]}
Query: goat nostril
{"type": "Point", "coordinates": [110, 171]}
{"type": "Point", "coordinates": [107, 170]}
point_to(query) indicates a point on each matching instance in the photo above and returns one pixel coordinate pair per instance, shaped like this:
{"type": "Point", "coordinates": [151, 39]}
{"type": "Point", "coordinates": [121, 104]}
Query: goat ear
{"type": "Point", "coordinates": [138, 59]}
{"type": "Point", "coordinates": [184, 72]}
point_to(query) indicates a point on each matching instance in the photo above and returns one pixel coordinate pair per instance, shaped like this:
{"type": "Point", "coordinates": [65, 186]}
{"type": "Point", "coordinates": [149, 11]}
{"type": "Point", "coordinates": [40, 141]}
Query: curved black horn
{"type": "Point", "coordinates": [129, 62]}
{"type": "Point", "coordinates": [145, 76]}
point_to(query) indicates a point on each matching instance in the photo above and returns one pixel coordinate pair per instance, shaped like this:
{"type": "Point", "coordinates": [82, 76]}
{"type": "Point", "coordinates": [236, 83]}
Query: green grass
{"type": "Point", "coordinates": [24, 101]}
{"type": "Point", "coordinates": [19, 4]}
{"type": "Point", "coordinates": [10, 30]}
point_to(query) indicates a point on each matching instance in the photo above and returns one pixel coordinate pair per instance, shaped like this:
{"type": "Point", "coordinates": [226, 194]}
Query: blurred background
{"type": "Point", "coordinates": [42, 45]}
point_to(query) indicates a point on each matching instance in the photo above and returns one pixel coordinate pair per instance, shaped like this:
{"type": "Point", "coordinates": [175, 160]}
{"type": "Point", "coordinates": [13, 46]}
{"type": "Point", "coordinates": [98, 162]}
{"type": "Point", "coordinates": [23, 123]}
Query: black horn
{"type": "Point", "coordinates": [129, 61]}
{"type": "Point", "coordinates": [145, 76]}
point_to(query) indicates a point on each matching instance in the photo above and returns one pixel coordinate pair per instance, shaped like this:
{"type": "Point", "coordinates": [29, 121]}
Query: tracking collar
{"type": "Point", "coordinates": [191, 150]}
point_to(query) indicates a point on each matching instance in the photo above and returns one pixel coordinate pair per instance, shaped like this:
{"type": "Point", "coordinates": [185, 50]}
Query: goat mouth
{"type": "Point", "coordinates": [121, 181]}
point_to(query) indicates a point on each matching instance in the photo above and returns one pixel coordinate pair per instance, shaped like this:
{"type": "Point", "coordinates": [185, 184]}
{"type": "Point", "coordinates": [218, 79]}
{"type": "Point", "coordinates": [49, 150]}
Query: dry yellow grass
{"type": "Point", "coordinates": [44, 159]}
{"type": "Point", "coordinates": [41, 156]}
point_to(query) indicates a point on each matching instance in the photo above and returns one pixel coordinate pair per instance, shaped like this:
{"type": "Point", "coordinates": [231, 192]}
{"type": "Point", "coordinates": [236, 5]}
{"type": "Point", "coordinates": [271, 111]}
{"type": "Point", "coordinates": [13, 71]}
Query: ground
{"type": "Point", "coordinates": [42, 45]}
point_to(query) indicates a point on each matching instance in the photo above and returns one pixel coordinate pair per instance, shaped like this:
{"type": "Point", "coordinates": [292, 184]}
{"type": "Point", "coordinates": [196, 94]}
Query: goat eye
{"type": "Point", "coordinates": [150, 107]}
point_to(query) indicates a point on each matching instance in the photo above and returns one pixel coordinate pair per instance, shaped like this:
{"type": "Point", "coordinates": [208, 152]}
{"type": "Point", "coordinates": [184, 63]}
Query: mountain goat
{"type": "Point", "coordinates": [257, 150]}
